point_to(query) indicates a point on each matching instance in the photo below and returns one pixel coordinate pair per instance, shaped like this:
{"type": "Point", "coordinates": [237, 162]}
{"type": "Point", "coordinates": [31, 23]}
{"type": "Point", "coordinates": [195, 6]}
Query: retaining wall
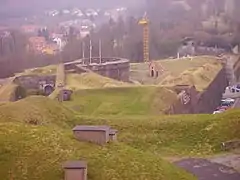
{"type": "Point", "coordinates": [236, 67]}
{"type": "Point", "coordinates": [115, 68]}
{"type": "Point", "coordinates": [201, 102]}
{"type": "Point", "coordinates": [34, 81]}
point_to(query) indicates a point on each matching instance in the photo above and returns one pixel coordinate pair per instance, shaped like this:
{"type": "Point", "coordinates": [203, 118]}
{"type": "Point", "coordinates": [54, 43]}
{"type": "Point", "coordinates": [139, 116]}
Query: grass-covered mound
{"type": "Point", "coordinates": [7, 91]}
{"type": "Point", "coordinates": [35, 110]}
{"type": "Point", "coordinates": [201, 77]}
{"type": "Point", "coordinates": [91, 81]}
{"type": "Point", "coordinates": [123, 101]}
{"type": "Point", "coordinates": [179, 71]}
{"type": "Point", "coordinates": [47, 70]}
{"type": "Point", "coordinates": [36, 152]}
{"type": "Point", "coordinates": [184, 135]}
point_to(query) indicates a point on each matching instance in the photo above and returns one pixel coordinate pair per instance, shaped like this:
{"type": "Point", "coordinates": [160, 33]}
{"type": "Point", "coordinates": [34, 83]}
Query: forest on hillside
{"type": "Point", "coordinates": [210, 23]}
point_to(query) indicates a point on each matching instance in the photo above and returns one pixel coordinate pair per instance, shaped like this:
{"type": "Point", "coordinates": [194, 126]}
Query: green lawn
{"type": "Point", "coordinates": [185, 135]}
{"type": "Point", "coordinates": [36, 151]}
{"type": "Point", "coordinates": [122, 101]}
{"type": "Point", "coordinates": [36, 138]}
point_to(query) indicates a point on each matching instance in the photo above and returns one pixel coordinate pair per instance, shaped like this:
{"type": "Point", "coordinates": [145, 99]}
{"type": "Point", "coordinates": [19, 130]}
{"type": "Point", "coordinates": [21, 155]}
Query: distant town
{"type": "Point", "coordinates": [47, 33]}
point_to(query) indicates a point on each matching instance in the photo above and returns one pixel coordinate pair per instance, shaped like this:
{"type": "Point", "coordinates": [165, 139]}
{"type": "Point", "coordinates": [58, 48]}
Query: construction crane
{"type": "Point", "coordinates": [145, 23]}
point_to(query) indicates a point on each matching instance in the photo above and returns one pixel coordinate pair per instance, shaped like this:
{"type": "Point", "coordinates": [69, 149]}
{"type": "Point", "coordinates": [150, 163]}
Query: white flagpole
{"type": "Point", "coordinates": [100, 51]}
{"type": "Point", "coordinates": [90, 55]}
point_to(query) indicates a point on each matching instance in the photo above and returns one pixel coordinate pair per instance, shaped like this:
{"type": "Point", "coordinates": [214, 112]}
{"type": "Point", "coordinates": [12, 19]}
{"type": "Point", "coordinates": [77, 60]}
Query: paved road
{"type": "Point", "coordinates": [206, 170]}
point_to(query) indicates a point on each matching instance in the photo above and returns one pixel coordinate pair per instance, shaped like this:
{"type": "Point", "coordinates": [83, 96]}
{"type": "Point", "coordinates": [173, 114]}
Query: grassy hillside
{"type": "Point", "coordinates": [91, 81]}
{"type": "Point", "coordinates": [201, 77]}
{"type": "Point", "coordinates": [175, 69]}
{"type": "Point", "coordinates": [36, 152]}
{"type": "Point", "coordinates": [47, 70]}
{"type": "Point", "coordinates": [35, 110]}
{"type": "Point", "coordinates": [7, 90]}
{"type": "Point", "coordinates": [186, 135]}
{"type": "Point", "coordinates": [123, 101]}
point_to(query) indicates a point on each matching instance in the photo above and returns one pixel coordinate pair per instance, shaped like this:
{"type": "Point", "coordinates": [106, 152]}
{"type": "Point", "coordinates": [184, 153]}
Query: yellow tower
{"type": "Point", "coordinates": [145, 23]}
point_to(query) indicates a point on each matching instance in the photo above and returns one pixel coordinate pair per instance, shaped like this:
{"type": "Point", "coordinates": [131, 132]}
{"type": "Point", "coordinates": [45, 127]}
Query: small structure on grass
{"type": "Point", "coordinates": [94, 134]}
{"type": "Point", "coordinates": [65, 95]}
{"type": "Point", "coordinates": [230, 145]}
{"type": "Point", "coordinates": [113, 135]}
{"type": "Point", "coordinates": [155, 69]}
{"type": "Point", "coordinates": [75, 170]}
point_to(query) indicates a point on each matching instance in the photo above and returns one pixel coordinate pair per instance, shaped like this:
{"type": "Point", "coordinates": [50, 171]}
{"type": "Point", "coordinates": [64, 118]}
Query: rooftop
{"type": "Point", "coordinates": [75, 165]}
{"type": "Point", "coordinates": [91, 128]}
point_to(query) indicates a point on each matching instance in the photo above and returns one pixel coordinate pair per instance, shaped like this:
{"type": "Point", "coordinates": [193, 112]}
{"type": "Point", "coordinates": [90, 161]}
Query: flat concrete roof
{"type": "Point", "coordinates": [75, 165]}
{"type": "Point", "coordinates": [91, 128]}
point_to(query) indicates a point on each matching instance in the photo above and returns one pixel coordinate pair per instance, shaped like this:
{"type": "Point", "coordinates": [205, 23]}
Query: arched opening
{"type": "Point", "coordinates": [152, 72]}
{"type": "Point", "coordinates": [20, 93]}
{"type": "Point", "coordinates": [48, 89]}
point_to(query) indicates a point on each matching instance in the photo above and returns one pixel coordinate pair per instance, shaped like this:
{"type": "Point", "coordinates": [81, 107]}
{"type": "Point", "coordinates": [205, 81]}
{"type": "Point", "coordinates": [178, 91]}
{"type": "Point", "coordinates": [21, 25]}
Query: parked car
{"type": "Point", "coordinates": [218, 112]}
{"type": "Point", "coordinates": [228, 100]}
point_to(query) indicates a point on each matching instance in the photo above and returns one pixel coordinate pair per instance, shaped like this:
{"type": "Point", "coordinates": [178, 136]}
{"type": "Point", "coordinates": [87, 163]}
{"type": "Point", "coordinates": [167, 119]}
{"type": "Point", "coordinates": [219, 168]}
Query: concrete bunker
{"type": "Point", "coordinates": [115, 68]}
{"type": "Point", "coordinates": [230, 145]}
{"type": "Point", "coordinates": [113, 135]}
{"type": "Point", "coordinates": [65, 95]}
{"type": "Point", "coordinates": [93, 134]}
{"type": "Point", "coordinates": [75, 170]}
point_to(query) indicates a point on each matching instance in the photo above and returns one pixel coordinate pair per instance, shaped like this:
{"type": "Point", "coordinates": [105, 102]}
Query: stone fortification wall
{"type": "Point", "coordinates": [115, 68]}
{"type": "Point", "coordinates": [34, 81]}
{"type": "Point", "coordinates": [193, 102]}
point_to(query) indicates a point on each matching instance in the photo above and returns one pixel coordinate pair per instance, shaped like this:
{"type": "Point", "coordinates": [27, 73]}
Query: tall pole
{"type": "Point", "coordinates": [90, 53]}
{"type": "Point", "coordinates": [83, 50]}
{"type": "Point", "coordinates": [100, 51]}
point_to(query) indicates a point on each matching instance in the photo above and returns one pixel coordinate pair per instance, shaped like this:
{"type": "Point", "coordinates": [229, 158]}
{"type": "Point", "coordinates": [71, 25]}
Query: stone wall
{"type": "Point", "coordinates": [115, 68]}
{"type": "Point", "coordinates": [34, 81]}
{"type": "Point", "coordinates": [201, 102]}
{"type": "Point", "coordinates": [236, 67]}
{"type": "Point", "coordinates": [211, 97]}
{"type": "Point", "coordinates": [188, 108]}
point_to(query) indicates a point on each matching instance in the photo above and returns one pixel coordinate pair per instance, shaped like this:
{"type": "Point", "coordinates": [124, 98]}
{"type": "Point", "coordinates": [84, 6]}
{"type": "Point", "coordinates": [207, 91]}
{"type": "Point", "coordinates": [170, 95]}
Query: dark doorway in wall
{"type": "Point", "coordinates": [48, 90]}
{"type": "Point", "coordinates": [152, 73]}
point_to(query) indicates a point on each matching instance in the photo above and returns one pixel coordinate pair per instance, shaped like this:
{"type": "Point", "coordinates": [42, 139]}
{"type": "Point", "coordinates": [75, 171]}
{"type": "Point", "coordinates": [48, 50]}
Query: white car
{"type": "Point", "coordinates": [230, 100]}
{"type": "Point", "coordinates": [218, 112]}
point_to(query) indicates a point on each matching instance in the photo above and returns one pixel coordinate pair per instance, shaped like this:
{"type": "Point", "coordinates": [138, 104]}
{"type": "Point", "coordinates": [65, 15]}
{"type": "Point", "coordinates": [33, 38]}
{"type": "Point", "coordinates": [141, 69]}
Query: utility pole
{"type": "Point", "coordinates": [90, 53]}
{"type": "Point", "coordinates": [100, 51]}
{"type": "Point", "coordinates": [83, 52]}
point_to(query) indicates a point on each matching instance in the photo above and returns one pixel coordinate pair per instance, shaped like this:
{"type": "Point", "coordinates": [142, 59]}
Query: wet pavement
{"type": "Point", "coordinates": [230, 160]}
{"type": "Point", "coordinates": [206, 170]}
